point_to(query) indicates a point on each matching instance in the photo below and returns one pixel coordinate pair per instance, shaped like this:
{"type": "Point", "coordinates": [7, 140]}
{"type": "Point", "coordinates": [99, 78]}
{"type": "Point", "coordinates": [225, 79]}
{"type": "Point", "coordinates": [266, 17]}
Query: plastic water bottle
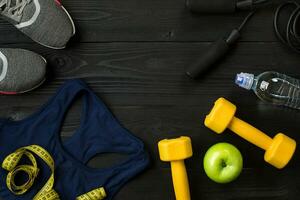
{"type": "Point", "coordinates": [272, 87]}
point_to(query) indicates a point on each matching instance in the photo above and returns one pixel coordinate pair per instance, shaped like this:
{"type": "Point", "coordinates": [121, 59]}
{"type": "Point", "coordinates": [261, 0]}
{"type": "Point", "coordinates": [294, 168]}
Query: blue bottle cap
{"type": "Point", "coordinates": [244, 80]}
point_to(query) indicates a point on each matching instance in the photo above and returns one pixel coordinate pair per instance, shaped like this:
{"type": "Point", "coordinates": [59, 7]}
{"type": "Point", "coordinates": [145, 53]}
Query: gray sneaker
{"type": "Point", "coordinates": [45, 21]}
{"type": "Point", "coordinates": [20, 71]}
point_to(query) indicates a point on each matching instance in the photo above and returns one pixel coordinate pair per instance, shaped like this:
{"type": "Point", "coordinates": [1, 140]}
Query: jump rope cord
{"type": "Point", "coordinates": [288, 32]}
{"type": "Point", "coordinates": [289, 35]}
{"type": "Point", "coordinates": [257, 2]}
{"type": "Point", "coordinates": [247, 18]}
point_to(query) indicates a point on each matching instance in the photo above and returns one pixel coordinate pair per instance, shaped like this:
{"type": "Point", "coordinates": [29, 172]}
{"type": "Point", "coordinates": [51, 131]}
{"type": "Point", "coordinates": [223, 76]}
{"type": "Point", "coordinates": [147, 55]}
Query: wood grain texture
{"type": "Point", "coordinates": [133, 55]}
{"type": "Point", "coordinates": [155, 20]}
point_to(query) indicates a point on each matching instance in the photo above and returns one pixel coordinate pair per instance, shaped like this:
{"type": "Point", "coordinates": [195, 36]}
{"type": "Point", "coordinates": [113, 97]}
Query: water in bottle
{"type": "Point", "coordinates": [272, 87]}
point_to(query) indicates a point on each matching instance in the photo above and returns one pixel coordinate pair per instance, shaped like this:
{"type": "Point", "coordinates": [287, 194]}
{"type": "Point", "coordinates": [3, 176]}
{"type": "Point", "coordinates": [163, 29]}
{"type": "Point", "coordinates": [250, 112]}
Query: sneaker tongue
{"type": "Point", "coordinates": [28, 12]}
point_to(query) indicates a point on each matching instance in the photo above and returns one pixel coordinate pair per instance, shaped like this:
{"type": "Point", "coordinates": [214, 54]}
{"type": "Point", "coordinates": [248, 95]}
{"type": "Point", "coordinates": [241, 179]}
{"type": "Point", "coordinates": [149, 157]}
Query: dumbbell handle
{"type": "Point", "coordinates": [250, 133]}
{"type": "Point", "coordinates": [180, 180]}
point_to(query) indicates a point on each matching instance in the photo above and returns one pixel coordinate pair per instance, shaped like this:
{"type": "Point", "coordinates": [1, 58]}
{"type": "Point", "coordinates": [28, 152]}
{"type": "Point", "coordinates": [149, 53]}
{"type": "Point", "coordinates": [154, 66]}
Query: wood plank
{"type": "Point", "coordinates": [133, 54]}
{"type": "Point", "coordinates": [252, 184]}
{"type": "Point", "coordinates": [147, 81]}
{"type": "Point", "coordinates": [143, 74]}
{"type": "Point", "coordinates": [156, 20]}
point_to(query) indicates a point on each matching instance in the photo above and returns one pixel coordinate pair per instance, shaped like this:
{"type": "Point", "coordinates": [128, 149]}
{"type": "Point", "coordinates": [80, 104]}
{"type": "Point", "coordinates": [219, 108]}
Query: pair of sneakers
{"type": "Point", "coordinates": [46, 22]}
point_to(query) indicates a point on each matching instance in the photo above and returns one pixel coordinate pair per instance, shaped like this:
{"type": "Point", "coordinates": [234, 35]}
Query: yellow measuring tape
{"type": "Point", "coordinates": [47, 192]}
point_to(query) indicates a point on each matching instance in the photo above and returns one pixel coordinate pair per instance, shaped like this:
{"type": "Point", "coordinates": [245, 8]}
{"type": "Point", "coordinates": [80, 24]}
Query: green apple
{"type": "Point", "coordinates": [223, 163]}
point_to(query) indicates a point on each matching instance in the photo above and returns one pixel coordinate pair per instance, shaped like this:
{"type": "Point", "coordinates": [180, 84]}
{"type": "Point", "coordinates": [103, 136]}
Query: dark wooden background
{"type": "Point", "coordinates": [133, 54]}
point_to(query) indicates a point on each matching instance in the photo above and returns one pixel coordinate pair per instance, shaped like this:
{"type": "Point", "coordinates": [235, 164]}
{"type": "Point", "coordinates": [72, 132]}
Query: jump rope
{"type": "Point", "coordinates": [286, 26]}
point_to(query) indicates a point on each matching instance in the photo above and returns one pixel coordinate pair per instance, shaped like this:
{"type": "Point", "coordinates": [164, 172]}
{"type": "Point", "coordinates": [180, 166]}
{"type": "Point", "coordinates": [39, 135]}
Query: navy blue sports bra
{"type": "Point", "coordinates": [99, 132]}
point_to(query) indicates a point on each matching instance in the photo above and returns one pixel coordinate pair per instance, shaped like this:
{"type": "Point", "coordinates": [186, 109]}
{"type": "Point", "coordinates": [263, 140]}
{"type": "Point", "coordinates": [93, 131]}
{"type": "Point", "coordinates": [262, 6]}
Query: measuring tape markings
{"type": "Point", "coordinates": [47, 192]}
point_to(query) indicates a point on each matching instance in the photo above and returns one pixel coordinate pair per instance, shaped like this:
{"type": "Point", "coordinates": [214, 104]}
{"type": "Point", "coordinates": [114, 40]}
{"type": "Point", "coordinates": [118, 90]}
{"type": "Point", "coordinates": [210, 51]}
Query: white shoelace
{"type": "Point", "coordinates": [13, 11]}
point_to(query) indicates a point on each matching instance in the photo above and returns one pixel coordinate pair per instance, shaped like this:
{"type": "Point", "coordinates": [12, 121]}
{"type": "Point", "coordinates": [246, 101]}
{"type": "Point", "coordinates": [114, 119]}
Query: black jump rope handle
{"type": "Point", "coordinates": [216, 52]}
{"type": "Point", "coordinates": [219, 6]}
{"type": "Point", "coordinates": [219, 48]}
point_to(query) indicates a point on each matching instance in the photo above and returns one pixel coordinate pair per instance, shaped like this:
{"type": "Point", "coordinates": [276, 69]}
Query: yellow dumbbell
{"type": "Point", "coordinates": [175, 151]}
{"type": "Point", "coordinates": [279, 150]}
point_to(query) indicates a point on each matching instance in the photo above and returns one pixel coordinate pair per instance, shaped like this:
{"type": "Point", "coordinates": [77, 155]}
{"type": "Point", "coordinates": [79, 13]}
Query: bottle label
{"type": "Point", "coordinates": [264, 85]}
